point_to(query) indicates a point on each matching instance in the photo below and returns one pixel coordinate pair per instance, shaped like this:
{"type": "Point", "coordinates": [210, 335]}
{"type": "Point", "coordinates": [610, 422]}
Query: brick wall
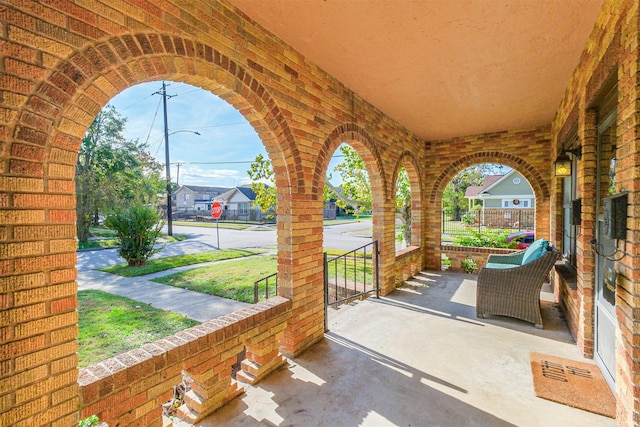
{"type": "Point", "coordinates": [63, 61]}
{"type": "Point", "coordinates": [131, 388]}
{"type": "Point", "coordinates": [458, 253]}
{"type": "Point", "coordinates": [611, 55]}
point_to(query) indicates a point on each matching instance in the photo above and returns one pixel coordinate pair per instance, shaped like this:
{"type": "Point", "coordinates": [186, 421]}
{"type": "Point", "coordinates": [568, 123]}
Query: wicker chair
{"type": "Point", "coordinates": [514, 291]}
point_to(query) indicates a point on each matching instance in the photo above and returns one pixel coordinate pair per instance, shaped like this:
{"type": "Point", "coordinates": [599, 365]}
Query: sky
{"type": "Point", "coordinates": [219, 157]}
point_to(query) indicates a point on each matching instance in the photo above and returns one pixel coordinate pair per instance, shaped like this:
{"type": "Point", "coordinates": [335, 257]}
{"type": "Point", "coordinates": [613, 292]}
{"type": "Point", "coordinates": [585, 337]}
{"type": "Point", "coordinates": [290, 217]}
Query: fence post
{"type": "Point", "coordinates": [375, 246]}
{"type": "Point", "coordinates": [326, 293]}
{"type": "Point", "coordinates": [255, 292]}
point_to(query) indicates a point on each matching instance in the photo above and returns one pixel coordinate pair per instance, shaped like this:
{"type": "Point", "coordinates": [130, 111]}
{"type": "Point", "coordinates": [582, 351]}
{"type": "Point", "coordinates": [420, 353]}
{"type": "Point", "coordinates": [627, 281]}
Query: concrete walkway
{"type": "Point", "coordinates": [194, 305]}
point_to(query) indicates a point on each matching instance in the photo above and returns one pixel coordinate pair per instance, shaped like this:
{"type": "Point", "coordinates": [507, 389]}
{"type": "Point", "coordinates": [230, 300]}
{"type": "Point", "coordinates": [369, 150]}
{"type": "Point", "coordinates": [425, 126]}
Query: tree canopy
{"type": "Point", "coordinates": [453, 198]}
{"type": "Point", "coordinates": [353, 195]}
{"type": "Point", "coordinates": [112, 170]}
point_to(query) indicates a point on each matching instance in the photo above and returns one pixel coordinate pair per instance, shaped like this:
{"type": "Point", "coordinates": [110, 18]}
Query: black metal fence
{"type": "Point", "coordinates": [266, 287]}
{"type": "Point", "coordinates": [351, 276]}
{"type": "Point", "coordinates": [478, 220]}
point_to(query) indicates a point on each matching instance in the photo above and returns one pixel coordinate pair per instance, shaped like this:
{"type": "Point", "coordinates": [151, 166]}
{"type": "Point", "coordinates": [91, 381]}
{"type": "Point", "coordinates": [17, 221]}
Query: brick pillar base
{"type": "Point", "coordinates": [262, 356]}
{"type": "Point", "coordinates": [205, 397]}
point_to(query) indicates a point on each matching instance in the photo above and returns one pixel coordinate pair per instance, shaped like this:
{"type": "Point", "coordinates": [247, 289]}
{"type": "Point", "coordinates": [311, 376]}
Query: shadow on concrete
{"type": "Point", "coordinates": [417, 357]}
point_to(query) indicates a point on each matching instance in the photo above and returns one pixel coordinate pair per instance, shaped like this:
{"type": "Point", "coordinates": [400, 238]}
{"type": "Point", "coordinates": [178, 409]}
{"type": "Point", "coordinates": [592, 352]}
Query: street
{"type": "Point", "coordinates": [343, 236]}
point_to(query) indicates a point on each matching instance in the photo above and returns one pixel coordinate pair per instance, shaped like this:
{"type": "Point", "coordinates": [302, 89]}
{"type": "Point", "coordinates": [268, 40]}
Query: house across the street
{"type": "Point", "coordinates": [502, 201]}
{"type": "Point", "coordinates": [239, 204]}
{"type": "Point", "coordinates": [196, 199]}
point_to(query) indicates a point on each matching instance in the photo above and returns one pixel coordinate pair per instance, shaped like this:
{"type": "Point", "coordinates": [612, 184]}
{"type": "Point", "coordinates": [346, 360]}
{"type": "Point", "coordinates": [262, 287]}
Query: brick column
{"type": "Point", "coordinates": [300, 272]}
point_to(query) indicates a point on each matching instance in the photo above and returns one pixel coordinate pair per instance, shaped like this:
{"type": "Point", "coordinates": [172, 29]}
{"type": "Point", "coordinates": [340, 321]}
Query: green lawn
{"type": "Point", "coordinates": [233, 280]}
{"type": "Point", "coordinates": [111, 324]}
{"type": "Point", "coordinates": [104, 238]}
{"type": "Point", "coordinates": [167, 263]}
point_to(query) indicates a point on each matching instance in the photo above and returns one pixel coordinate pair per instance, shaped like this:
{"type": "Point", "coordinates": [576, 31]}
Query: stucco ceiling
{"type": "Point", "coordinates": [442, 68]}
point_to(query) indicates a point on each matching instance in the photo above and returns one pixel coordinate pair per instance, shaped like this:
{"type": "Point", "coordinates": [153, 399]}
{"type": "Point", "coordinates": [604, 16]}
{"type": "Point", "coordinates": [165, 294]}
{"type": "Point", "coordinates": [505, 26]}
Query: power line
{"type": "Point", "coordinates": [214, 163]}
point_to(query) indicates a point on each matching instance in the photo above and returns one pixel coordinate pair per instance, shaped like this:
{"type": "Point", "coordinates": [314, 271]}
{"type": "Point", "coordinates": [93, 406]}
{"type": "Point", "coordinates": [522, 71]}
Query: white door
{"type": "Point", "coordinates": [605, 298]}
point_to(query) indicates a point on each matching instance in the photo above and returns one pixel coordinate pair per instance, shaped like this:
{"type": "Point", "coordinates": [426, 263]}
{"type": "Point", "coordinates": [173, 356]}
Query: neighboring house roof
{"type": "Point", "coordinates": [488, 181]}
{"type": "Point", "coordinates": [203, 189]}
{"type": "Point", "coordinates": [248, 192]}
{"type": "Point", "coordinates": [245, 190]}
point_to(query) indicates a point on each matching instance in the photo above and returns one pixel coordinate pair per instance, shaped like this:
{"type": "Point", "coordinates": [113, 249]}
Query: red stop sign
{"type": "Point", "coordinates": [216, 210]}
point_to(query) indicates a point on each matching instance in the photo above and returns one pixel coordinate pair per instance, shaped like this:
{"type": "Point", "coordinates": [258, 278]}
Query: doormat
{"type": "Point", "coordinates": [572, 383]}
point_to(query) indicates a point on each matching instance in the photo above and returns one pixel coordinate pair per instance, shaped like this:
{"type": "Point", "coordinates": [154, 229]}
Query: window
{"type": "Point", "coordinates": [243, 208]}
{"type": "Point", "coordinates": [516, 203]}
{"type": "Point", "coordinates": [569, 226]}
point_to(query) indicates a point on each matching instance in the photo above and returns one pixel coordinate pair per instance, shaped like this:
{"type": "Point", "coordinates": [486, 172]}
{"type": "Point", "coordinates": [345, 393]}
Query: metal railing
{"type": "Point", "coordinates": [502, 219]}
{"type": "Point", "coordinates": [351, 276]}
{"type": "Point", "coordinates": [263, 283]}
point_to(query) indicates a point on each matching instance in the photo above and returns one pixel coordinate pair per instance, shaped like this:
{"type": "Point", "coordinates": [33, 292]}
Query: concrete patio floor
{"type": "Point", "coordinates": [417, 357]}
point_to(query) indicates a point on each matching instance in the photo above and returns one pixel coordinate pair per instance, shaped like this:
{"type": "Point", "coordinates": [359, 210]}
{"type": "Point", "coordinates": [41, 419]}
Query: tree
{"type": "Point", "coordinates": [111, 170]}
{"type": "Point", "coordinates": [138, 226]}
{"type": "Point", "coordinates": [453, 196]}
{"type": "Point", "coordinates": [403, 205]}
{"type": "Point", "coordinates": [260, 173]}
{"type": "Point", "coordinates": [353, 195]}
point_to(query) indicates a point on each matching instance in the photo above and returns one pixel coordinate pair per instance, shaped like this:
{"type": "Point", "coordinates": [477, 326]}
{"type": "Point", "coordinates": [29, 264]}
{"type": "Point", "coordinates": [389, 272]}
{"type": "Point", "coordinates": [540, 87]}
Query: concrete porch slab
{"type": "Point", "coordinates": [418, 357]}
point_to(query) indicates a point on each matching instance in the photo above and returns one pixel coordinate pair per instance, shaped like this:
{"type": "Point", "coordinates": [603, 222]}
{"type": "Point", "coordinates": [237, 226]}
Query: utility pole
{"type": "Point", "coordinates": [178, 164]}
{"type": "Point", "coordinates": [166, 155]}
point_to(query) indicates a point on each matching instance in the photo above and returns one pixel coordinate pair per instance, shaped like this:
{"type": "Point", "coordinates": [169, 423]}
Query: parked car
{"type": "Point", "coordinates": [521, 239]}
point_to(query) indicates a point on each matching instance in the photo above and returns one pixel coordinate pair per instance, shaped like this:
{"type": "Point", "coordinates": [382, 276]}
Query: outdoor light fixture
{"type": "Point", "coordinates": [562, 165]}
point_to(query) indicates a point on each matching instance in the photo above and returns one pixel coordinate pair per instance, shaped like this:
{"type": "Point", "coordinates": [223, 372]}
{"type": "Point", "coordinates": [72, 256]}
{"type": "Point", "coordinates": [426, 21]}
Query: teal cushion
{"type": "Point", "coordinates": [535, 251]}
{"type": "Point", "coordinates": [500, 265]}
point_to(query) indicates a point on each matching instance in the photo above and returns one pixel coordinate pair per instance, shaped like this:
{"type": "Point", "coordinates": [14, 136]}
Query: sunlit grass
{"type": "Point", "coordinates": [167, 263]}
{"type": "Point", "coordinates": [233, 280]}
{"type": "Point", "coordinates": [111, 324]}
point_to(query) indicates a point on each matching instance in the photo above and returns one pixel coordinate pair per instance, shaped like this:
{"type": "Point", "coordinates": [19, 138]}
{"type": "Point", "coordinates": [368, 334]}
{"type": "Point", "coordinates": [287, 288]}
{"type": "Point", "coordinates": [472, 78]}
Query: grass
{"type": "Point", "coordinates": [233, 280]}
{"type": "Point", "coordinates": [104, 238]}
{"type": "Point", "coordinates": [99, 244]}
{"type": "Point", "coordinates": [355, 270]}
{"type": "Point", "coordinates": [111, 324]}
{"type": "Point", "coordinates": [167, 263]}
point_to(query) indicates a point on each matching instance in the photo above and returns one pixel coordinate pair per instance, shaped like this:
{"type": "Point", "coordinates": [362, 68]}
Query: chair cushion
{"type": "Point", "coordinates": [500, 265]}
{"type": "Point", "coordinates": [535, 251]}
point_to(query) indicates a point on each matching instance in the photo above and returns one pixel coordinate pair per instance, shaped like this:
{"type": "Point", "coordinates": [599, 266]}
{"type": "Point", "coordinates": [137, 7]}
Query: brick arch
{"type": "Point", "coordinates": [410, 163]}
{"type": "Point", "coordinates": [360, 140]}
{"type": "Point", "coordinates": [407, 158]}
{"type": "Point", "coordinates": [65, 104]}
{"type": "Point", "coordinates": [539, 185]}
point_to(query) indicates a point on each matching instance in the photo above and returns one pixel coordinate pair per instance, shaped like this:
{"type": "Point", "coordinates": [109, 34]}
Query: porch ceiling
{"type": "Point", "coordinates": [442, 68]}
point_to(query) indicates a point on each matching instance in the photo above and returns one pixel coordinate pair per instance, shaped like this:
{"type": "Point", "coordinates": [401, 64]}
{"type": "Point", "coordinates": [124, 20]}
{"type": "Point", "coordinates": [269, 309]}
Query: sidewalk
{"type": "Point", "coordinates": [194, 305]}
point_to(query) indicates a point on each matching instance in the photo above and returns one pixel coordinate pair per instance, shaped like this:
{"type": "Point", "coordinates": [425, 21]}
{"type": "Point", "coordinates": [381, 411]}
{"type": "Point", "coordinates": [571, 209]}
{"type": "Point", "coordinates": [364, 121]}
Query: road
{"type": "Point", "coordinates": [344, 236]}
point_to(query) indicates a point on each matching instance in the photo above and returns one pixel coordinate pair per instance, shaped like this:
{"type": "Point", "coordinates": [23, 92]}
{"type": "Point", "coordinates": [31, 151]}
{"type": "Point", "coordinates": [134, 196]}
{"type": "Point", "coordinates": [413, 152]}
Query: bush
{"type": "Point", "coordinates": [469, 265]}
{"type": "Point", "coordinates": [483, 239]}
{"type": "Point", "coordinates": [138, 227]}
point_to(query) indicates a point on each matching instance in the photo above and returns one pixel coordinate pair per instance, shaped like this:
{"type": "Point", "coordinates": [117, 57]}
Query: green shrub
{"type": "Point", "coordinates": [469, 264]}
{"type": "Point", "coordinates": [89, 421]}
{"type": "Point", "coordinates": [138, 227]}
{"type": "Point", "coordinates": [483, 239]}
